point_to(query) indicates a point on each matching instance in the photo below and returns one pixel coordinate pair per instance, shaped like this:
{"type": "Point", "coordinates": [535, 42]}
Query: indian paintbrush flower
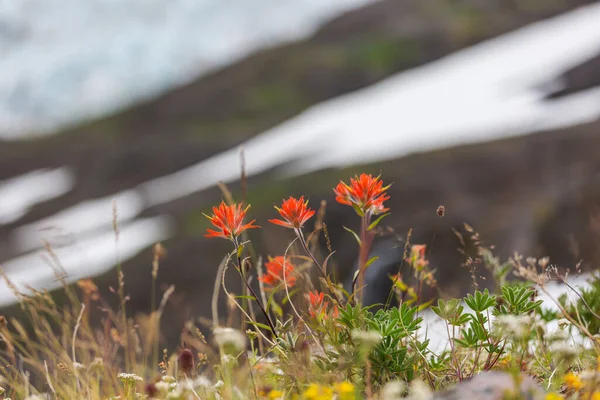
{"type": "Point", "coordinates": [365, 193]}
{"type": "Point", "coordinates": [276, 273]}
{"type": "Point", "coordinates": [229, 220]}
{"type": "Point", "coordinates": [295, 213]}
{"type": "Point", "coordinates": [318, 305]}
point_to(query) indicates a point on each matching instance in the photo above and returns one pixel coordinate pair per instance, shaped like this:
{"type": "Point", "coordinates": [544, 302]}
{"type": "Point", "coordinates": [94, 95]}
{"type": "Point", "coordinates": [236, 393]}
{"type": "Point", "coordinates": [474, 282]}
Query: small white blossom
{"type": "Point", "coordinates": [563, 323]}
{"type": "Point", "coordinates": [229, 337]}
{"type": "Point", "coordinates": [162, 386]}
{"type": "Point", "coordinates": [227, 359]}
{"type": "Point", "coordinates": [419, 391]}
{"type": "Point", "coordinates": [168, 378]}
{"type": "Point", "coordinates": [558, 336]}
{"type": "Point", "coordinates": [219, 384]}
{"type": "Point", "coordinates": [368, 339]}
{"type": "Point", "coordinates": [517, 326]}
{"type": "Point", "coordinates": [98, 362]}
{"type": "Point", "coordinates": [202, 381]}
{"type": "Point", "coordinates": [590, 376]}
{"type": "Point", "coordinates": [393, 390]}
{"type": "Point", "coordinates": [78, 366]}
{"type": "Point", "coordinates": [129, 378]}
{"type": "Point", "coordinates": [563, 350]}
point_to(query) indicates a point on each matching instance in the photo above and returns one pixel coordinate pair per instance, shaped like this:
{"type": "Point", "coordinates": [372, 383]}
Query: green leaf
{"type": "Point", "coordinates": [358, 210]}
{"type": "Point", "coordinates": [371, 261]}
{"type": "Point", "coordinates": [374, 224]}
{"type": "Point", "coordinates": [354, 234]}
{"type": "Point", "coordinates": [327, 260]}
{"type": "Point", "coordinates": [240, 250]}
{"type": "Point", "coordinates": [245, 297]}
{"type": "Point", "coordinates": [258, 324]}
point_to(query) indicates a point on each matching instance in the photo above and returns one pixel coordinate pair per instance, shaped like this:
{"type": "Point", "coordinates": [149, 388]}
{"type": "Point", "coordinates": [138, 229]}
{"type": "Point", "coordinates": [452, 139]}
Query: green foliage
{"type": "Point", "coordinates": [517, 300]}
{"type": "Point", "coordinates": [587, 306]}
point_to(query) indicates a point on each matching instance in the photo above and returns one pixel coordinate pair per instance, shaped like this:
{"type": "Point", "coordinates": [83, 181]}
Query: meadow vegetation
{"type": "Point", "coordinates": [295, 333]}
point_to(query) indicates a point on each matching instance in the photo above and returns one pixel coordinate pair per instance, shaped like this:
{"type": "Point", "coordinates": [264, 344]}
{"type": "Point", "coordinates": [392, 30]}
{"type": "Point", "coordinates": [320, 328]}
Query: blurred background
{"type": "Point", "coordinates": [490, 108]}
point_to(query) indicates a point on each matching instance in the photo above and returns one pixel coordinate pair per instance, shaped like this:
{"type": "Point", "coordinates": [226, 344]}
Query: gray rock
{"type": "Point", "coordinates": [493, 385]}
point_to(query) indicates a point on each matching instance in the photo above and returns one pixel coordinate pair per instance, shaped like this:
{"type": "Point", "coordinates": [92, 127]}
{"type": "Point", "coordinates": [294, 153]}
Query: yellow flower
{"type": "Point", "coordinates": [318, 392]}
{"type": "Point", "coordinates": [596, 396]}
{"type": "Point", "coordinates": [554, 396]}
{"type": "Point", "coordinates": [345, 391]}
{"type": "Point", "coordinates": [573, 382]}
{"type": "Point", "coordinates": [275, 394]}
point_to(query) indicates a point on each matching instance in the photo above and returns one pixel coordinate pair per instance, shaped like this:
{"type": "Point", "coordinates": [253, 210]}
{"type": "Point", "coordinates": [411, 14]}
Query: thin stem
{"type": "Point", "coordinates": [247, 285]}
{"type": "Point", "coordinates": [300, 236]}
{"type": "Point", "coordinates": [366, 239]}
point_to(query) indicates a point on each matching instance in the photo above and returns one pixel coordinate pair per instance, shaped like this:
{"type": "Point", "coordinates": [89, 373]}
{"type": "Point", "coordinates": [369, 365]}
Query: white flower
{"type": "Point", "coordinates": [563, 323]}
{"type": "Point", "coordinates": [175, 394]}
{"type": "Point", "coordinates": [219, 384]}
{"type": "Point", "coordinates": [227, 359]}
{"type": "Point", "coordinates": [590, 376]}
{"type": "Point", "coordinates": [419, 391]}
{"type": "Point", "coordinates": [562, 350]}
{"type": "Point", "coordinates": [393, 390]}
{"type": "Point", "coordinates": [229, 337]}
{"type": "Point", "coordinates": [369, 339]}
{"type": "Point", "coordinates": [162, 386]}
{"type": "Point", "coordinates": [98, 362]}
{"type": "Point", "coordinates": [129, 378]}
{"type": "Point", "coordinates": [517, 326]}
{"type": "Point", "coordinates": [558, 336]}
{"type": "Point", "coordinates": [202, 381]}
{"type": "Point", "coordinates": [78, 366]}
{"type": "Point", "coordinates": [168, 379]}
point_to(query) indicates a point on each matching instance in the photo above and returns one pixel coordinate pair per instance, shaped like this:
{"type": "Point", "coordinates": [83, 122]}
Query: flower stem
{"type": "Point", "coordinates": [300, 236]}
{"type": "Point", "coordinates": [246, 286]}
{"type": "Point", "coordinates": [366, 239]}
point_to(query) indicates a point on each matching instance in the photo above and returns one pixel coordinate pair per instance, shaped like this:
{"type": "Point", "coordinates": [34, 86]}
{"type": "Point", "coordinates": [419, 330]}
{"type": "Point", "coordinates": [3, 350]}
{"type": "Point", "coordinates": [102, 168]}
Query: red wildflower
{"type": "Point", "coordinates": [229, 219]}
{"type": "Point", "coordinates": [295, 213]}
{"type": "Point", "coordinates": [275, 272]}
{"type": "Point", "coordinates": [318, 305]}
{"type": "Point", "coordinates": [417, 256]}
{"type": "Point", "coordinates": [366, 193]}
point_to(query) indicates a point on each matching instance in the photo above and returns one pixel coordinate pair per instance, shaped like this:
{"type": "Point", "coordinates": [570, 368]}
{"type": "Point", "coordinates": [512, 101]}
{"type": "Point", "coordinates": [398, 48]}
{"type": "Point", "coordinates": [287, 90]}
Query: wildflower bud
{"type": "Point", "coordinates": [251, 333]}
{"type": "Point", "coordinates": [151, 390]}
{"type": "Point", "coordinates": [441, 211]}
{"type": "Point", "coordinates": [185, 361]}
{"type": "Point", "coordinates": [159, 251]}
